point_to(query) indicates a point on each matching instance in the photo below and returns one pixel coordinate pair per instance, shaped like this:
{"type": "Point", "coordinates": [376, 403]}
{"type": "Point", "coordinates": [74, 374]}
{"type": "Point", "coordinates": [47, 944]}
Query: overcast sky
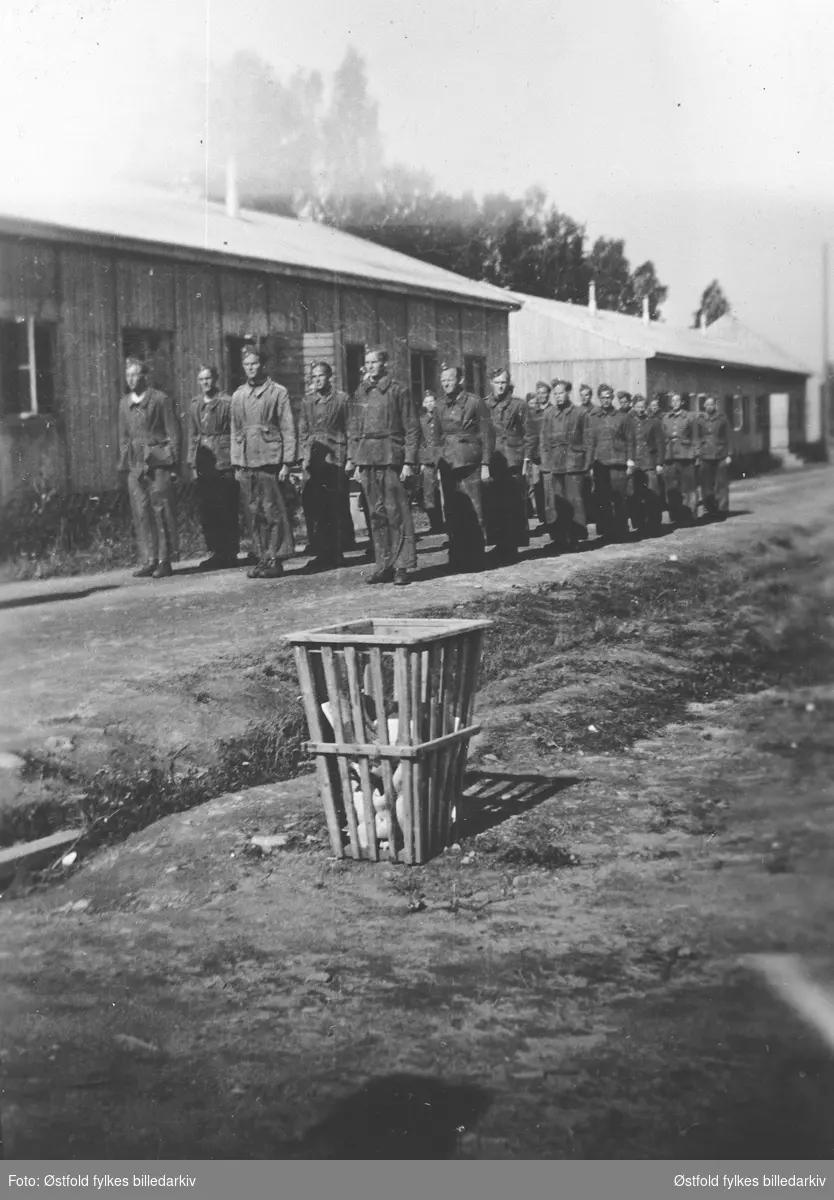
{"type": "Point", "coordinates": [702, 131]}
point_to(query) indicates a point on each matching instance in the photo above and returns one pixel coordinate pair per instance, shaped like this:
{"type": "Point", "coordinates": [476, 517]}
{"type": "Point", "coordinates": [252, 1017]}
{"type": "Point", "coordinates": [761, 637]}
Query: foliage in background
{"type": "Point", "coordinates": [714, 304]}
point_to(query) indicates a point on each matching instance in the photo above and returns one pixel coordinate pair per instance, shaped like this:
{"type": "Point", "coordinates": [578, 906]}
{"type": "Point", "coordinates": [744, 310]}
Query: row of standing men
{"type": "Point", "coordinates": [584, 463]}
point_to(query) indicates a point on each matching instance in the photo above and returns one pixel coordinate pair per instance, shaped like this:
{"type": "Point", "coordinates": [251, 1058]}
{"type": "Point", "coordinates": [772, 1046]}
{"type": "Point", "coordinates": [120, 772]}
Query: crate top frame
{"type": "Point", "coordinates": [385, 631]}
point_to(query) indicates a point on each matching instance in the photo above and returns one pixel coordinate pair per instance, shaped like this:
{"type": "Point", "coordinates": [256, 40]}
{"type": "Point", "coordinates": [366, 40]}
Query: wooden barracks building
{"type": "Point", "coordinates": [181, 282]}
{"type": "Point", "coordinates": [761, 388]}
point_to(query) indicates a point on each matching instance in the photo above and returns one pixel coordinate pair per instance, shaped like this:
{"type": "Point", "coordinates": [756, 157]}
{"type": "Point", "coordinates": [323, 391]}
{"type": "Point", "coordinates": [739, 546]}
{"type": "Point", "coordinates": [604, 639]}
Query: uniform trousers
{"type": "Point", "coordinates": [715, 485]}
{"type": "Point", "coordinates": [611, 501]}
{"type": "Point", "coordinates": [463, 502]}
{"type": "Point", "coordinates": [153, 504]}
{"type": "Point", "coordinates": [645, 503]}
{"type": "Point", "coordinates": [325, 500]}
{"type": "Point", "coordinates": [681, 490]}
{"type": "Point", "coordinates": [392, 526]}
{"type": "Point", "coordinates": [218, 500]}
{"type": "Point", "coordinates": [267, 520]}
{"type": "Point", "coordinates": [565, 507]}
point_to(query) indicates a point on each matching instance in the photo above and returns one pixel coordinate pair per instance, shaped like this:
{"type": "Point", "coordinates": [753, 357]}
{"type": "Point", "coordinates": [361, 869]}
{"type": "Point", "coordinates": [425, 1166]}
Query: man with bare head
{"type": "Point", "coordinates": [263, 450]}
{"type": "Point", "coordinates": [645, 504]}
{"type": "Point", "coordinates": [506, 493]}
{"type": "Point", "coordinates": [209, 456]}
{"type": "Point", "coordinates": [565, 439]}
{"type": "Point", "coordinates": [149, 455]}
{"type": "Point", "coordinates": [464, 446]}
{"type": "Point", "coordinates": [679, 470]}
{"type": "Point", "coordinates": [611, 456]}
{"type": "Point", "coordinates": [429, 481]}
{"type": "Point", "coordinates": [383, 443]}
{"type": "Point", "coordinates": [322, 448]}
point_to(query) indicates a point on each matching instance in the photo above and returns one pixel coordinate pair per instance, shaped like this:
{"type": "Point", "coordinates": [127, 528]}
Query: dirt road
{"type": "Point", "coordinates": [572, 983]}
{"type": "Point", "coordinates": [126, 669]}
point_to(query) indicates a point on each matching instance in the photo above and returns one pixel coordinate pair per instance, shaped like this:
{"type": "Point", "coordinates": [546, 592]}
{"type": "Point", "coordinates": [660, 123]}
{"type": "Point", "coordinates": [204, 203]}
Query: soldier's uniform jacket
{"type": "Point", "coordinates": [322, 428]}
{"type": "Point", "coordinates": [210, 434]}
{"type": "Point", "coordinates": [463, 431]}
{"type": "Point", "coordinates": [712, 435]}
{"type": "Point", "coordinates": [149, 432]}
{"type": "Point", "coordinates": [508, 417]}
{"type": "Point", "coordinates": [649, 442]}
{"type": "Point", "coordinates": [565, 440]}
{"type": "Point", "coordinates": [428, 438]}
{"type": "Point", "coordinates": [611, 440]}
{"type": "Point", "coordinates": [535, 418]}
{"type": "Point", "coordinates": [263, 427]}
{"type": "Point", "coordinates": [681, 440]}
{"type": "Point", "coordinates": [383, 426]}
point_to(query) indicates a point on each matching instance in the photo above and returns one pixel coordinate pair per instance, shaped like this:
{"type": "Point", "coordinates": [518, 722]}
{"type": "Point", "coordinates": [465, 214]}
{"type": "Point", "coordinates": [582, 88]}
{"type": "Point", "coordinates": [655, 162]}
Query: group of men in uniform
{"type": "Point", "coordinates": [476, 458]}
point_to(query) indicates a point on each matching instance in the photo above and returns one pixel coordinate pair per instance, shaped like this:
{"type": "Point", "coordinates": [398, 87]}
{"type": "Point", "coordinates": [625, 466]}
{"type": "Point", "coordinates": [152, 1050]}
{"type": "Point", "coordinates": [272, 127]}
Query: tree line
{"type": "Point", "coordinates": [312, 148]}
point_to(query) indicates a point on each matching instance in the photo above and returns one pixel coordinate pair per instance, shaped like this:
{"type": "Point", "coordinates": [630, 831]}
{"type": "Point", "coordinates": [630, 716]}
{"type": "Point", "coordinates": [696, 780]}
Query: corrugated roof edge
{"type": "Point", "coordinates": [475, 292]}
{"type": "Point", "coordinates": [580, 317]}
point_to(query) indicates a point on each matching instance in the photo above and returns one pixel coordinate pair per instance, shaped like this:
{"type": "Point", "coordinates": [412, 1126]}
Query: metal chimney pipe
{"type": "Point", "coordinates": [232, 197]}
{"type": "Point", "coordinates": [592, 297]}
{"type": "Point", "coordinates": [647, 316]}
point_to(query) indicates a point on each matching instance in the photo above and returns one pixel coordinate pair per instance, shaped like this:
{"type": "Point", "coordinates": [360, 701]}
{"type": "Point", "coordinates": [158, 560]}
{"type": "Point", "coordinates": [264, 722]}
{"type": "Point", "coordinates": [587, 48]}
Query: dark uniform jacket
{"type": "Point", "coordinates": [650, 443]}
{"type": "Point", "coordinates": [263, 427]}
{"type": "Point", "coordinates": [428, 438]}
{"type": "Point", "coordinates": [712, 435]}
{"type": "Point", "coordinates": [535, 417]}
{"type": "Point", "coordinates": [149, 432]}
{"type": "Point", "coordinates": [322, 428]}
{"type": "Point", "coordinates": [210, 434]}
{"type": "Point", "coordinates": [383, 425]}
{"type": "Point", "coordinates": [565, 440]}
{"type": "Point", "coordinates": [681, 440]}
{"type": "Point", "coordinates": [508, 417]}
{"type": "Point", "coordinates": [464, 431]}
{"type": "Point", "coordinates": [612, 440]}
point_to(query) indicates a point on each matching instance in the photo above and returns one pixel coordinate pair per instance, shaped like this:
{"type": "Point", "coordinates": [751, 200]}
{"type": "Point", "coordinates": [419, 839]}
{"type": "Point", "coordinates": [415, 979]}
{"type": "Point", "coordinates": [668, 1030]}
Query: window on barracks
{"type": "Point", "coordinates": [155, 348]}
{"type": "Point", "coordinates": [763, 414]}
{"type": "Point", "coordinates": [423, 374]}
{"type": "Point", "coordinates": [474, 368]}
{"type": "Point", "coordinates": [27, 367]}
{"type": "Point", "coordinates": [354, 362]}
{"type": "Point", "coordinates": [739, 417]}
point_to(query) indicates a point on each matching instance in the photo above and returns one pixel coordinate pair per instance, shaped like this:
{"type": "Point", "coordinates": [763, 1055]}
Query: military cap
{"type": "Point", "coordinates": [543, 384]}
{"type": "Point", "coordinates": [636, 398]}
{"type": "Point", "coordinates": [586, 387]}
{"type": "Point", "coordinates": [623, 395]}
{"type": "Point", "coordinates": [496, 371]}
{"type": "Point", "coordinates": [604, 390]}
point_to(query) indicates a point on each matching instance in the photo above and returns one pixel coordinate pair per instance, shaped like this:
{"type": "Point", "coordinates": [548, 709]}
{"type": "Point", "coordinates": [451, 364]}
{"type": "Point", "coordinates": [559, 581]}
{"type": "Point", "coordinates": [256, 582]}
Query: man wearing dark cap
{"type": "Point", "coordinates": [149, 455]}
{"type": "Point", "coordinates": [383, 443]}
{"type": "Point", "coordinates": [564, 449]}
{"type": "Point", "coordinates": [679, 470]}
{"type": "Point", "coordinates": [209, 456]}
{"type": "Point", "coordinates": [586, 403]}
{"type": "Point", "coordinates": [322, 448]}
{"type": "Point", "coordinates": [263, 450]}
{"type": "Point", "coordinates": [624, 401]}
{"type": "Point", "coordinates": [463, 441]}
{"type": "Point", "coordinates": [645, 503]}
{"type": "Point", "coordinates": [506, 495]}
{"type": "Point", "coordinates": [713, 435]}
{"type": "Point", "coordinates": [611, 455]}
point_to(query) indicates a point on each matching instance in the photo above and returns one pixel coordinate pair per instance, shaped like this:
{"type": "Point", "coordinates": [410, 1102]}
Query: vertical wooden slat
{"type": "Point", "coordinates": [434, 679]}
{"type": "Point", "coordinates": [415, 663]}
{"type": "Point", "coordinates": [378, 690]}
{"type": "Point", "coordinates": [403, 699]}
{"type": "Point", "coordinates": [312, 711]}
{"type": "Point", "coordinates": [360, 735]}
{"type": "Point", "coordinates": [338, 728]}
{"type": "Point", "coordinates": [449, 666]}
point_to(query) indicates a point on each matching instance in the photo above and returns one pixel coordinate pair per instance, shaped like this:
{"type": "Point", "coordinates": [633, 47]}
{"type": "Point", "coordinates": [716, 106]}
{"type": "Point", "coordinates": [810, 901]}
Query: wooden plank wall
{"type": "Point", "coordinates": [89, 344]}
{"type": "Point", "coordinates": [449, 345]}
{"type": "Point", "coordinates": [497, 340]}
{"type": "Point", "coordinates": [626, 373]}
{"type": "Point", "coordinates": [198, 334]}
{"type": "Point", "coordinates": [359, 321]}
{"type": "Point", "coordinates": [393, 333]}
{"type": "Point", "coordinates": [29, 274]}
{"type": "Point", "coordinates": [422, 325]}
{"type": "Point", "coordinates": [474, 331]}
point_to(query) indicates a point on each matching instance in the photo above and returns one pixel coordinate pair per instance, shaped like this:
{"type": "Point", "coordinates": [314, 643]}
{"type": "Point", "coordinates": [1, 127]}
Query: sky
{"type": "Point", "coordinates": [701, 131]}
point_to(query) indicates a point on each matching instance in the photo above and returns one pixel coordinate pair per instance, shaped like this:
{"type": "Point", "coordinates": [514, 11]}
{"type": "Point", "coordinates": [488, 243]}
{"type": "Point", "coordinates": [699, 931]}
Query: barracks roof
{"type": "Point", "coordinates": [726, 340]}
{"type": "Point", "coordinates": [183, 225]}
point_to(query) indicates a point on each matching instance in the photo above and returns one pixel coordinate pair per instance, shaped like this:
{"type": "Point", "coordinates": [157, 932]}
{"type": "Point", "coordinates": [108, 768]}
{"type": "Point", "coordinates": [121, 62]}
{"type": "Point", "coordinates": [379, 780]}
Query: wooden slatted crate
{"type": "Point", "coordinates": [389, 707]}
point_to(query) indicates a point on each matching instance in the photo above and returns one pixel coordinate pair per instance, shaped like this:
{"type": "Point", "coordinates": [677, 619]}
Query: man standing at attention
{"type": "Point", "coordinates": [506, 495]}
{"type": "Point", "coordinates": [612, 459]}
{"type": "Point", "coordinates": [149, 454]}
{"type": "Point", "coordinates": [644, 485]}
{"type": "Point", "coordinates": [209, 456]}
{"type": "Point", "coordinates": [713, 434]}
{"type": "Point", "coordinates": [322, 448]}
{"type": "Point", "coordinates": [383, 442]}
{"type": "Point", "coordinates": [679, 471]}
{"type": "Point", "coordinates": [263, 449]}
{"type": "Point", "coordinates": [429, 483]}
{"type": "Point", "coordinates": [463, 433]}
{"type": "Point", "coordinates": [564, 445]}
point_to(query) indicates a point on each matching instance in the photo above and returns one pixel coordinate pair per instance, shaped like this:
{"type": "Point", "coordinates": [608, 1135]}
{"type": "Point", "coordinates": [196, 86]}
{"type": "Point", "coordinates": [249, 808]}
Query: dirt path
{"type": "Point", "coordinates": [125, 668]}
{"type": "Point", "coordinates": [571, 984]}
